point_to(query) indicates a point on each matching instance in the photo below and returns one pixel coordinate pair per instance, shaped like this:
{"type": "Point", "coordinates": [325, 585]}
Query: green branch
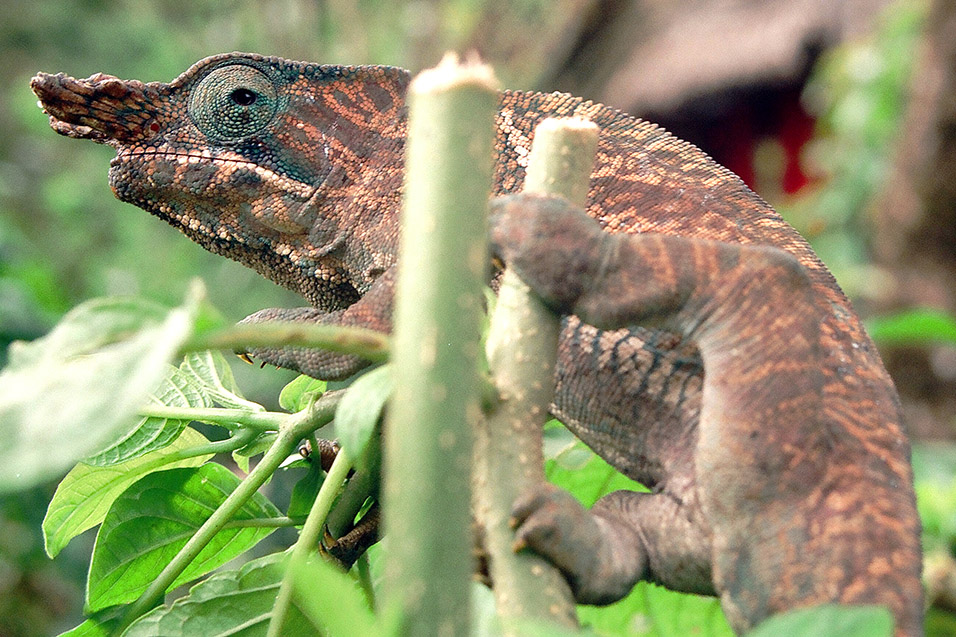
{"type": "Point", "coordinates": [438, 313]}
{"type": "Point", "coordinates": [259, 421]}
{"type": "Point", "coordinates": [522, 346]}
{"type": "Point", "coordinates": [238, 440]}
{"type": "Point", "coordinates": [295, 427]}
{"type": "Point", "coordinates": [309, 537]}
{"type": "Point", "coordinates": [265, 523]}
{"type": "Point", "coordinates": [369, 344]}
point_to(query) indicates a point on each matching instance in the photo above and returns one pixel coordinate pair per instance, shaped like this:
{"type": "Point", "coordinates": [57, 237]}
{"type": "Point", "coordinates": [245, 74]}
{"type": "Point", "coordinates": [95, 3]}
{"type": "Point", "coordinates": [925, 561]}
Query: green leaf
{"type": "Point", "coordinates": [653, 610]}
{"type": "Point", "coordinates": [102, 624]}
{"type": "Point", "coordinates": [304, 492]}
{"type": "Point", "coordinates": [564, 447]}
{"type": "Point", "coordinates": [356, 417]}
{"type": "Point", "coordinates": [331, 600]}
{"type": "Point", "coordinates": [913, 327]}
{"type": "Point", "coordinates": [153, 519]}
{"type": "Point", "coordinates": [234, 602]}
{"type": "Point", "coordinates": [301, 392]}
{"type": "Point", "coordinates": [86, 493]}
{"type": "Point", "coordinates": [67, 395]}
{"type": "Point", "coordinates": [208, 318]}
{"type": "Point", "coordinates": [829, 620]}
{"type": "Point", "coordinates": [211, 372]}
{"type": "Point", "coordinates": [260, 444]}
{"type": "Point", "coordinates": [588, 479]}
{"type": "Point", "coordinates": [176, 390]}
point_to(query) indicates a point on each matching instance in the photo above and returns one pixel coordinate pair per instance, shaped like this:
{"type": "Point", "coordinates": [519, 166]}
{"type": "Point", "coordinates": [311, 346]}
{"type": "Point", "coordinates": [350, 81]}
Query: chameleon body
{"type": "Point", "coordinates": [717, 361]}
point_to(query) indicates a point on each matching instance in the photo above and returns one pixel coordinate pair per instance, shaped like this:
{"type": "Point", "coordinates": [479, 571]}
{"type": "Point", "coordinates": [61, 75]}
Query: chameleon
{"type": "Point", "coordinates": [705, 352]}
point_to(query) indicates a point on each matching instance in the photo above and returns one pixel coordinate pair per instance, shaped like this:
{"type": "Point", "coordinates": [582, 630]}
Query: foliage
{"type": "Point", "coordinates": [914, 327]}
{"type": "Point", "coordinates": [152, 496]}
{"type": "Point", "coordinates": [150, 500]}
{"type": "Point", "coordinates": [52, 388]}
{"type": "Point", "coordinates": [858, 92]}
{"type": "Point", "coordinates": [827, 621]}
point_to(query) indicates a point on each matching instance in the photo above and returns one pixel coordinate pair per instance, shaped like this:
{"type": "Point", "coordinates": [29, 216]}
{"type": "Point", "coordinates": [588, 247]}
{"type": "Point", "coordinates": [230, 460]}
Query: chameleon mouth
{"type": "Point", "coordinates": [212, 190]}
{"type": "Point", "coordinates": [174, 156]}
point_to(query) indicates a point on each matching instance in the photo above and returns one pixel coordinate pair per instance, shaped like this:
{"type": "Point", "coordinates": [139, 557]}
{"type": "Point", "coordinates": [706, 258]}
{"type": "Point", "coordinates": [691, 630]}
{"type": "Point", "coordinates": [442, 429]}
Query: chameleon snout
{"type": "Point", "coordinates": [102, 108]}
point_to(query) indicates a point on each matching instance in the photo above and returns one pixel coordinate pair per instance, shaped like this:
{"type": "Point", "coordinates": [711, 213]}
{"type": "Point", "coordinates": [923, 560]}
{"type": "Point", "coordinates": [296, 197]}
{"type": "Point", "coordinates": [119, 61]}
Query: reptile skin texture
{"type": "Point", "coordinates": [706, 352]}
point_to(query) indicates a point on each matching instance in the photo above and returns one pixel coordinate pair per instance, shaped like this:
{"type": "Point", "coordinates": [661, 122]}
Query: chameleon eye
{"type": "Point", "coordinates": [243, 97]}
{"type": "Point", "coordinates": [232, 102]}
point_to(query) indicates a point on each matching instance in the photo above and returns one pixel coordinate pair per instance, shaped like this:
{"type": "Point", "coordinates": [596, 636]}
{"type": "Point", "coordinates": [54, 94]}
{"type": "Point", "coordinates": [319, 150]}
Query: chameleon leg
{"type": "Point", "coordinates": [624, 538]}
{"type": "Point", "coordinates": [800, 461]}
{"type": "Point", "coordinates": [348, 548]}
{"type": "Point", "coordinates": [371, 311]}
{"type": "Point", "coordinates": [317, 363]}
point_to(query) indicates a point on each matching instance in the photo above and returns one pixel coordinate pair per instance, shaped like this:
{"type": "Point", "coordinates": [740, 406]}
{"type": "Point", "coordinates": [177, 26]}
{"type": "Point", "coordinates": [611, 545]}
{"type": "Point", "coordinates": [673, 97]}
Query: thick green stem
{"type": "Point", "coordinates": [368, 344]}
{"type": "Point", "coordinates": [443, 261]}
{"type": "Point", "coordinates": [309, 537]}
{"type": "Point", "coordinates": [522, 344]}
{"type": "Point", "coordinates": [297, 426]}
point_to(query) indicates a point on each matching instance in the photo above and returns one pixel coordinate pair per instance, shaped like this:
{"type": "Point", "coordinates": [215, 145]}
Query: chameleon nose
{"type": "Point", "coordinates": [101, 107]}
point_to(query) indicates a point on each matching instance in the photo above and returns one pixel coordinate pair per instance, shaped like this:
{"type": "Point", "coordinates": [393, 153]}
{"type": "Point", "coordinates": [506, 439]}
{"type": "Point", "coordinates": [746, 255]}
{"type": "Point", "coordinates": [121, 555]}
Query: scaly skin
{"type": "Point", "coordinates": [780, 479]}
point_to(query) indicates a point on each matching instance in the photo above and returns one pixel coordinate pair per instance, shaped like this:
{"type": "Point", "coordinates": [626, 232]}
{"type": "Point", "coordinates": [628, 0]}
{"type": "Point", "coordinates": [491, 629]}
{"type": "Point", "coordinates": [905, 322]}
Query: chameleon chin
{"type": "Point", "coordinates": [706, 351]}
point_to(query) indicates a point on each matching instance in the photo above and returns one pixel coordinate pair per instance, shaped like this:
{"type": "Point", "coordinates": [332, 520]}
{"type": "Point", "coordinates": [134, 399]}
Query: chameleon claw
{"type": "Point", "coordinates": [246, 358]}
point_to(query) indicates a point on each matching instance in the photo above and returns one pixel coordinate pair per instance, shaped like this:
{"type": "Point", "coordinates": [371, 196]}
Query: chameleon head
{"type": "Point", "coordinates": [241, 152]}
{"type": "Point", "coordinates": [210, 152]}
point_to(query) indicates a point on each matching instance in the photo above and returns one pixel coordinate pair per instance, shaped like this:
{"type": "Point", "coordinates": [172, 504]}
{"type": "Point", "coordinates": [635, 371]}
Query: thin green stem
{"type": "Point", "coordinates": [363, 484]}
{"type": "Point", "coordinates": [309, 537]}
{"type": "Point", "coordinates": [237, 441]}
{"type": "Point", "coordinates": [368, 344]}
{"type": "Point", "coordinates": [291, 431]}
{"type": "Point", "coordinates": [313, 445]}
{"type": "Point", "coordinates": [260, 421]}
{"type": "Point", "coordinates": [265, 523]}
{"type": "Point", "coordinates": [364, 573]}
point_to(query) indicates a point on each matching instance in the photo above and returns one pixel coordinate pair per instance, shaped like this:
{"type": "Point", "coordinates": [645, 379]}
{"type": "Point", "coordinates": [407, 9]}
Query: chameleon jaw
{"type": "Point", "coordinates": [230, 184]}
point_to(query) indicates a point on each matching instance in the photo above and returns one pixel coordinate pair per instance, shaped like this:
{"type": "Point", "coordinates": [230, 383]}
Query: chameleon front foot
{"type": "Point", "coordinates": [316, 363]}
{"type": "Point", "coordinates": [348, 548]}
{"type": "Point", "coordinates": [600, 556]}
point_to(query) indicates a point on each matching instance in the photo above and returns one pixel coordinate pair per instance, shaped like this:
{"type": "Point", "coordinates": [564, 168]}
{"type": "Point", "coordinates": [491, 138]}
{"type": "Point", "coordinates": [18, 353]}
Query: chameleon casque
{"type": "Point", "coordinates": [731, 375]}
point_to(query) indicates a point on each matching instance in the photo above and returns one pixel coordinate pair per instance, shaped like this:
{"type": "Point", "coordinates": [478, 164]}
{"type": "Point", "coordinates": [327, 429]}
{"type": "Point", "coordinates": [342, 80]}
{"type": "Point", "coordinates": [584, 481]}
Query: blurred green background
{"type": "Point", "coordinates": [825, 134]}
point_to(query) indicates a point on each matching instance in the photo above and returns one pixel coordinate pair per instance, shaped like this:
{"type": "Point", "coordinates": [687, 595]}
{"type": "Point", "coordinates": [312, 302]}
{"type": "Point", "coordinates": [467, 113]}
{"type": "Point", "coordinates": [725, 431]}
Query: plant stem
{"type": "Point", "coordinates": [521, 348]}
{"type": "Point", "coordinates": [291, 431]}
{"type": "Point", "coordinates": [259, 421]}
{"type": "Point", "coordinates": [363, 484]}
{"type": "Point", "coordinates": [368, 344]}
{"type": "Point", "coordinates": [442, 265]}
{"type": "Point", "coordinates": [309, 536]}
{"type": "Point", "coordinates": [237, 441]}
{"type": "Point", "coordinates": [268, 523]}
